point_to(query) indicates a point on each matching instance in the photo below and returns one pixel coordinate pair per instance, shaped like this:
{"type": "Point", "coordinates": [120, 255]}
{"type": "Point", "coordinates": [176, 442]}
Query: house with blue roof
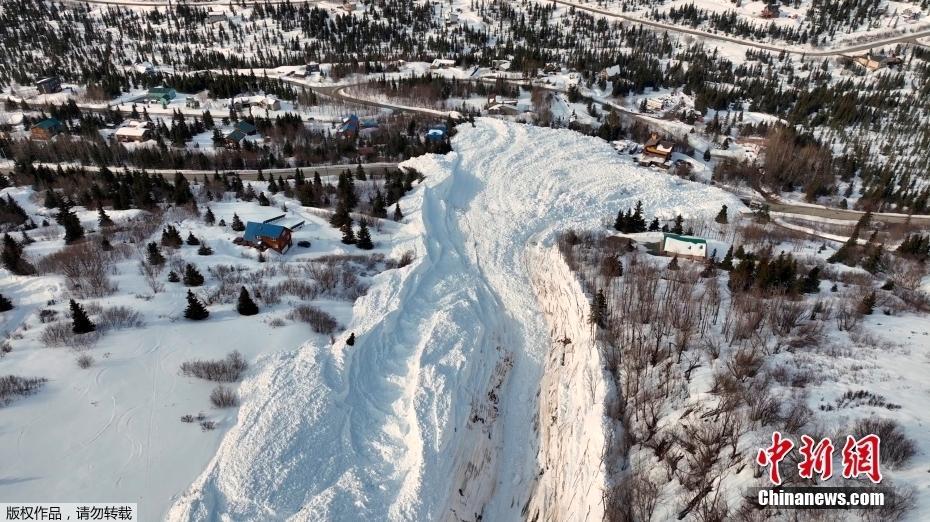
{"type": "Point", "coordinates": [45, 129]}
{"type": "Point", "coordinates": [267, 235]}
{"type": "Point", "coordinates": [160, 95]}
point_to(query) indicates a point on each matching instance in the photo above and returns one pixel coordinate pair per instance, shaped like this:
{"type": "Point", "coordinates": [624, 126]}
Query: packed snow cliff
{"type": "Point", "coordinates": [432, 414]}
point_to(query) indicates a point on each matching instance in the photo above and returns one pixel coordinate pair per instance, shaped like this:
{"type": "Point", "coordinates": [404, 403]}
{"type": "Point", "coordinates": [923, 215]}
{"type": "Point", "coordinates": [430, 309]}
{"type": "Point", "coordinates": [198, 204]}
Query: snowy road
{"type": "Point", "coordinates": [431, 414]}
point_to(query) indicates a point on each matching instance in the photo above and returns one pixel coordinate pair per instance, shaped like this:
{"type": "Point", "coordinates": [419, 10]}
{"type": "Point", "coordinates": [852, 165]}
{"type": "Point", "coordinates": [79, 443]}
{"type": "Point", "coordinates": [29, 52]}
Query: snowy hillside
{"type": "Point", "coordinates": [432, 413]}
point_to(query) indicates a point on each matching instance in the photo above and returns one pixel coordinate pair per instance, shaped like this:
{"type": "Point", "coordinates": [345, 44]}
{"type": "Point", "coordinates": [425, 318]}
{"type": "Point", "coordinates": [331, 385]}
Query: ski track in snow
{"type": "Point", "coordinates": [382, 430]}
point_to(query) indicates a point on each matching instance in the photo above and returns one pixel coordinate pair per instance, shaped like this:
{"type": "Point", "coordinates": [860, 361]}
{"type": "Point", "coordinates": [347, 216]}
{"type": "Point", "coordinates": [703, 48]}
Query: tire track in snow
{"type": "Point", "coordinates": [381, 430]}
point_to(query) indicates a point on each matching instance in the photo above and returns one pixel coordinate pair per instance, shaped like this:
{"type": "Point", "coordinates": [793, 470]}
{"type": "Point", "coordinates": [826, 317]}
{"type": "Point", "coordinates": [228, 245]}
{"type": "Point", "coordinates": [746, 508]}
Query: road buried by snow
{"type": "Point", "coordinates": [431, 414]}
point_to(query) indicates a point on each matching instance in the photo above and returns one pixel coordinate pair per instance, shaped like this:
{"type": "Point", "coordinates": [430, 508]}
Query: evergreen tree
{"type": "Point", "coordinates": [263, 200]}
{"type": "Point", "coordinates": [192, 239]}
{"type": "Point", "coordinates": [5, 304]}
{"type": "Point", "coordinates": [398, 215]}
{"type": "Point", "coordinates": [154, 255]}
{"type": "Point", "coordinates": [722, 216]}
{"type": "Point", "coordinates": [727, 263]}
{"type": "Point", "coordinates": [364, 238]}
{"type": "Point", "coordinates": [209, 218]}
{"type": "Point", "coordinates": [351, 340]}
{"type": "Point", "coordinates": [173, 277]}
{"type": "Point", "coordinates": [204, 250]}
{"type": "Point", "coordinates": [811, 283]}
{"type": "Point", "coordinates": [377, 205]}
{"type": "Point", "coordinates": [171, 237]}
{"type": "Point", "coordinates": [195, 310]}
{"type": "Point", "coordinates": [654, 226]}
{"type": "Point", "coordinates": [12, 257]}
{"type": "Point", "coordinates": [348, 235]}
{"type": "Point", "coordinates": [68, 219]}
{"type": "Point", "coordinates": [598, 312]}
{"type": "Point", "coordinates": [80, 323]}
{"type": "Point", "coordinates": [105, 245]}
{"type": "Point", "coordinates": [673, 264]}
{"type": "Point", "coordinates": [707, 154]}
{"type": "Point", "coordinates": [637, 223]}
{"type": "Point", "coordinates": [237, 224]}
{"type": "Point", "coordinates": [246, 306]}
{"type": "Point", "coordinates": [340, 217]}
{"type": "Point", "coordinates": [678, 228]}
{"type": "Point", "coordinates": [103, 219]}
{"type": "Point", "coordinates": [192, 276]}
{"type": "Point", "coordinates": [620, 224]}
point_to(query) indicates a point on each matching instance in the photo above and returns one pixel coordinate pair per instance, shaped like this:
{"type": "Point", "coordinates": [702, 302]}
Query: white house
{"type": "Point", "coordinates": [684, 246]}
{"type": "Point", "coordinates": [440, 63]}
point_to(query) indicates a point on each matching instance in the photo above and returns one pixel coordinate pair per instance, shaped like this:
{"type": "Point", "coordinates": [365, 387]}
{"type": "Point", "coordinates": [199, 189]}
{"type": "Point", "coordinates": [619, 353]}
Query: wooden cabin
{"type": "Point", "coordinates": [45, 129]}
{"type": "Point", "coordinates": [267, 235]}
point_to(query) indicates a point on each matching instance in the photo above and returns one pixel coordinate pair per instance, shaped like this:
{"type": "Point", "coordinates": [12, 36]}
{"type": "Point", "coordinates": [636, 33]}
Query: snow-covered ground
{"type": "Point", "coordinates": [431, 414]}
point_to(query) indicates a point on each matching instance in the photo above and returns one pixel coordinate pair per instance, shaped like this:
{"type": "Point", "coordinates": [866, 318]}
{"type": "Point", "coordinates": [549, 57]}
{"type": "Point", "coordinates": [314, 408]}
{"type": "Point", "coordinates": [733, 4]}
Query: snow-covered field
{"type": "Point", "coordinates": [431, 414]}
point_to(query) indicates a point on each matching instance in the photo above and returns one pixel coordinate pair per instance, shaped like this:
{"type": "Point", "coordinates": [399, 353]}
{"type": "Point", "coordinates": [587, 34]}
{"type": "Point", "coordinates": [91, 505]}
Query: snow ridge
{"type": "Point", "coordinates": [431, 415]}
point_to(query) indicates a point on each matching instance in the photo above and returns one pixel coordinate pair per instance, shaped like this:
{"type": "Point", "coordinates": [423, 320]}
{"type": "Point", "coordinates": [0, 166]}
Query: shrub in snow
{"type": "Point", "coordinates": [85, 361]}
{"type": "Point", "coordinates": [223, 397]}
{"type": "Point", "coordinates": [206, 425]}
{"type": "Point", "coordinates": [5, 304]}
{"type": "Point", "coordinates": [897, 449]}
{"type": "Point", "coordinates": [187, 418]}
{"type": "Point", "coordinates": [13, 386]}
{"type": "Point", "coordinates": [204, 250]}
{"type": "Point", "coordinates": [192, 239]}
{"type": "Point", "coordinates": [320, 321]}
{"type": "Point", "coordinates": [119, 317]}
{"type": "Point", "coordinates": [173, 277]}
{"type": "Point", "coordinates": [220, 370]}
{"type": "Point", "coordinates": [195, 310]}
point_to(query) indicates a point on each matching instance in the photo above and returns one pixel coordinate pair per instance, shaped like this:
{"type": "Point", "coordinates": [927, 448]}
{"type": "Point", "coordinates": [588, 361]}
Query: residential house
{"type": "Point", "coordinates": [771, 11]}
{"type": "Point", "coordinates": [655, 104]}
{"type": "Point", "coordinates": [350, 127]}
{"type": "Point", "coordinates": [440, 63]}
{"type": "Point", "coordinates": [134, 131]}
{"type": "Point", "coordinates": [312, 68]}
{"type": "Point", "coordinates": [683, 246]}
{"type": "Point", "coordinates": [45, 129]}
{"type": "Point", "coordinates": [657, 150]}
{"type": "Point", "coordinates": [267, 235]}
{"type": "Point", "coordinates": [246, 128]}
{"type": "Point", "coordinates": [504, 109]}
{"type": "Point", "coordinates": [233, 138]}
{"type": "Point", "coordinates": [874, 62]}
{"type": "Point", "coordinates": [49, 85]}
{"type": "Point", "coordinates": [160, 95]}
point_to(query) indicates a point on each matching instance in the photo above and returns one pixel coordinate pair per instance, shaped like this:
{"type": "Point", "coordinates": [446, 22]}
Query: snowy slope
{"type": "Point", "coordinates": [431, 414]}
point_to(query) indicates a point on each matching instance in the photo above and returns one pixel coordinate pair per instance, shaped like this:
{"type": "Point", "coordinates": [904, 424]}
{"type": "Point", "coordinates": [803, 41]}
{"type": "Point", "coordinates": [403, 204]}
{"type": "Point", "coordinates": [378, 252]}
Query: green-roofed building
{"type": "Point", "coordinates": [684, 246]}
{"type": "Point", "coordinates": [45, 129]}
{"type": "Point", "coordinates": [160, 94]}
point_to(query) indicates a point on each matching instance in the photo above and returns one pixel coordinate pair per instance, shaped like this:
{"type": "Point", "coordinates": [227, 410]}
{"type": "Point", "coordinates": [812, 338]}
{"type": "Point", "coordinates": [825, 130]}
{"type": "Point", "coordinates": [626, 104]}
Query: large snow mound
{"type": "Point", "coordinates": [431, 414]}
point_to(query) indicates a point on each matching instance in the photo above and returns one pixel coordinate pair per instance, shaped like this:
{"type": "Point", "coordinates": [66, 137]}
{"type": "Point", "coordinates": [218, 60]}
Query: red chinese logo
{"type": "Point", "coordinates": [860, 457]}
{"type": "Point", "coordinates": [774, 454]}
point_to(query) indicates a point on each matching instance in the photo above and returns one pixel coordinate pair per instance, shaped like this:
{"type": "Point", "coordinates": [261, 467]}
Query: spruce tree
{"type": "Point", "coordinates": [598, 312]}
{"type": "Point", "coordinates": [620, 224]}
{"type": "Point", "coordinates": [80, 323]}
{"type": "Point", "coordinates": [5, 304]}
{"type": "Point", "coordinates": [637, 223]}
{"type": "Point", "coordinates": [192, 239]}
{"type": "Point", "coordinates": [348, 235]}
{"type": "Point", "coordinates": [727, 263]}
{"type": "Point", "coordinates": [811, 283]}
{"type": "Point", "coordinates": [209, 218]}
{"type": "Point", "coordinates": [192, 276]}
{"type": "Point", "coordinates": [654, 226]}
{"type": "Point", "coordinates": [73, 229]}
{"type": "Point", "coordinates": [364, 238]}
{"type": "Point", "coordinates": [398, 215]}
{"type": "Point", "coordinates": [204, 250]}
{"type": "Point", "coordinates": [154, 255]}
{"type": "Point", "coordinates": [867, 305]}
{"type": "Point", "coordinates": [12, 257]}
{"type": "Point", "coordinates": [195, 310]}
{"type": "Point", "coordinates": [237, 224]}
{"type": "Point", "coordinates": [103, 219]}
{"type": "Point", "coordinates": [673, 264]}
{"type": "Point", "coordinates": [722, 216]}
{"type": "Point", "coordinates": [351, 340]}
{"type": "Point", "coordinates": [246, 306]}
{"type": "Point", "coordinates": [678, 228]}
{"type": "Point", "coordinates": [173, 277]}
{"type": "Point", "coordinates": [263, 200]}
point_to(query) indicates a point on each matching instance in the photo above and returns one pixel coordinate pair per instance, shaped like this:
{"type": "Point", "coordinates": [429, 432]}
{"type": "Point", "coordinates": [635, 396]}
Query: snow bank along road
{"type": "Point", "coordinates": [431, 415]}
